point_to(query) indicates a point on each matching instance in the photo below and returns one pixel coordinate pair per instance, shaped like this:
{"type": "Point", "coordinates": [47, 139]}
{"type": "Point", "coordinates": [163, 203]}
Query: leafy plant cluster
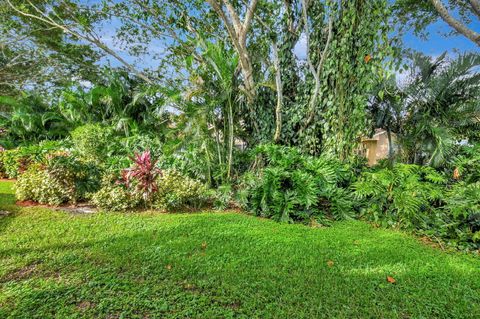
{"type": "Point", "coordinates": [421, 199]}
{"type": "Point", "coordinates": [61, 179]}
{"type": "Point", "coordinates": [94, 166]}
{"type": "Point", "coordinates": [290, 186]}
{"type": "Point", "coordinates": [144, 185]}
{"type": "Point", "coordinates": [403, 196]}
{"type": "Point", "coordinates": [15, 161]}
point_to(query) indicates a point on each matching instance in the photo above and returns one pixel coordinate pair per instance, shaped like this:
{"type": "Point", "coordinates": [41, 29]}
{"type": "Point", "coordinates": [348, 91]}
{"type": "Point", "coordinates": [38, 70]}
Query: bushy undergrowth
{"type": "Point", "coordinates": [404, 195]}
{"type": "Point", "coordinates": [421, 199]}
{"type": "Point", "coordinates": [15, 161]}
{"type": "Point", "coordinates": [282, 184]}
{"type": "Point", "coordinates": [91, 141]}
{"type": "Point", "coordinates": [114, 195]}
{"type": "Point", "coordinates": [290, 186]}
{"type": "Point", "coordinates": [177, 191]}
{"type": "Point", "coordinates": [37, 185]}
{"type": "Point", "coordinates": [144, 185]}
{"type": "Point", "coordinates": [61, 179]}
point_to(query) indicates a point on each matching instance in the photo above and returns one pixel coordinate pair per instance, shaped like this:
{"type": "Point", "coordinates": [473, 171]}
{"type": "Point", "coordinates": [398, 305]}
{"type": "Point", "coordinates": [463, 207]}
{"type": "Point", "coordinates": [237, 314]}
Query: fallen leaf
{"type": "Point", "coordinates": [330, 263]}
{"type": "Point", "coordinates": [367, 58]}
{"type": "Point", "coordinates": [188, 286]}
{"type": "Point", "coordinates": [391, 280]}
{"type": "Point", "coordinates": [456, 173]}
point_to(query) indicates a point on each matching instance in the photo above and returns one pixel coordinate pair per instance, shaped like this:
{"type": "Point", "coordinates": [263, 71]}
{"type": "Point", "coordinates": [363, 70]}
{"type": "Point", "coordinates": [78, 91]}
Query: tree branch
{"type": "Point", "coordinates": [249, 16]}
{"type": "Point", "coordinates": [279, 85]}
{"type": "Point", "coordinates": [44, 18]}
{"type": "Point", "coordinates": [454, 23]}
{"type": "Point", "coordinates": [476, 6]}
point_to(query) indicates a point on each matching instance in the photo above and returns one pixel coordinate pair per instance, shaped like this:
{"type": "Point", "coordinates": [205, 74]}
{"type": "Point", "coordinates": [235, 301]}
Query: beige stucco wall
{"type": "Point", "coordinates": [376, 148]}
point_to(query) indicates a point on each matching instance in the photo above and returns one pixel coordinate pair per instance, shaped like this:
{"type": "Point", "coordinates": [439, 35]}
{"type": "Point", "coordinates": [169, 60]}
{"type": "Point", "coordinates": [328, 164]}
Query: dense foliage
{"type": "Point", "coordinates": [290, 186]}
{"type": "Point", "coordinates": [421, 199]}
{"type": "Point", "coordinates": [61, 179]}
{"type": "Point", "coordinates": [264, 105]}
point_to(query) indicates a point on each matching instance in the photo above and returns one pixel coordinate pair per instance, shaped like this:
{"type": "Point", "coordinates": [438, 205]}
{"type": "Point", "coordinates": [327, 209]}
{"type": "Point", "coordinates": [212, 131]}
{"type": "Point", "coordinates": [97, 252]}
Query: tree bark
{"type": "Point", "coordinates": [316, 71]}
{"type": "Point", "coordinates": [279, 86]}
{"type": "Point", "coordinates": [390, 144]}
{"type": "Point", "coordinates": [454, 23]}
{"type": "Point", "coordinates": [237, 32]}
{"type": "Point", "coordinates": [475, 6]}
{"type": "Point", "coordinates": [231, 138]}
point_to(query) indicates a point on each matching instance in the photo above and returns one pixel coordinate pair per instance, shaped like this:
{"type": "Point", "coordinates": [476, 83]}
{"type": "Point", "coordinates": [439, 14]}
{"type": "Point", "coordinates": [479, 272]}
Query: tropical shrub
{"type": "Point", "coordinates": [223, 197]}
{"type": "Point", "coordinates": [463, 211]}
{"type": "Point", "coordinates": [92, 141]}
{"type": "Point", "coordinates": [142, 175]}
{"type": "Point", "coordinates": [116, 163]}
{"type": "Point", "coordinates": [83, 176]}
{"type": "Point", "coordinates": [404, 196]}
{"type": "Point", "coordinates": [291, 186]}
{"type": "Point", "coordinates": [114, 195]}
{"type": "Point", "coordinates": [60, 179]}
{"type": "Point", "coordinates": [138, 142]}
{"type": "Point", "coordinates": [466, 164]}
{"type": "Point", "coordinates": [15, 161]}
{"type": "Point", "coordinates": [176, 191]}
{"type": "Point", "coordinates": [37, 185]}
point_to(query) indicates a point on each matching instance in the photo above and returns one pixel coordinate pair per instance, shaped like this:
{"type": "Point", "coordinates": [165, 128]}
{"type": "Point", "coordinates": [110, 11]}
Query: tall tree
{"type": "Point", "coordinates": [34, 55]}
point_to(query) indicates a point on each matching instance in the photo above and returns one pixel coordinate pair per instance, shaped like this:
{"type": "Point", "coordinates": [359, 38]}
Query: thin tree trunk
{"type": "Point", "coordinates": [279, 86]}
{"type": "Point", "coordinates": [230, 133]}
{"type": "Point", "coordinates": [237, 32]}
{"type": "Point", "coordinates": [209, 166]}
{"type": "Point", "coordinates": [217, 141]}
{"type": "Point", "coordinates": [315, 71]}
{"type": "Point", "coordinates": [390, 145]}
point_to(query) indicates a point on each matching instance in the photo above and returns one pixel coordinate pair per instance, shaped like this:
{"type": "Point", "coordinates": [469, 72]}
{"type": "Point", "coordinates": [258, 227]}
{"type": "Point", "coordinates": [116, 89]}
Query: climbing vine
{"type": "Point", "coordinates": [355, 56]}
{"type": "Point", "coordinates": [318, 102]}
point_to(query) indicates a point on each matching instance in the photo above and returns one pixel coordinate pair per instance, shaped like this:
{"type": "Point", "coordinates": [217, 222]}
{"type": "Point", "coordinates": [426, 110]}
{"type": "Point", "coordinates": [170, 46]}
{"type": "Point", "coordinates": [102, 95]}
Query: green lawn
{"type": "Point", "coordinates": [221, 265]}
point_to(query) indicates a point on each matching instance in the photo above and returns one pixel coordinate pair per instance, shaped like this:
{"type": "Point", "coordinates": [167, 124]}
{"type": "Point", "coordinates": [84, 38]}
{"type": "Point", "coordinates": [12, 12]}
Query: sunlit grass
{"type": "Point", "coordinates": [221, 265]}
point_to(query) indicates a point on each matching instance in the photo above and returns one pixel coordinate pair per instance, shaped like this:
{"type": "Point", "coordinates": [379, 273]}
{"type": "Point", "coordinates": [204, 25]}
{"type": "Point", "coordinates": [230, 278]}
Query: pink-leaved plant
{"type": "Point", "coordinates": [142, 175]}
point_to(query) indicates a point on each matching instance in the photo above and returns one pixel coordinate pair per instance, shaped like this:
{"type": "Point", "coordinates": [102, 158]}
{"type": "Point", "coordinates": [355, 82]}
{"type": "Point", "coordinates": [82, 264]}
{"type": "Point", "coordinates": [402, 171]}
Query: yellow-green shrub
{"type": "Point", "coordinates": [38, 185]}
{"type": "Point", "coordinates": [176, 191]}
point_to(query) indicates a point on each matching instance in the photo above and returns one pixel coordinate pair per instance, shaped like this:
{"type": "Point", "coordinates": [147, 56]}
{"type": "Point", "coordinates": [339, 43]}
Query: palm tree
{"type": "Point", "coordinates": [207, 107]}
{"type": "Point", "coordinates": [30, 118]}
{"type": "Point", "coordinates": [437, 107]}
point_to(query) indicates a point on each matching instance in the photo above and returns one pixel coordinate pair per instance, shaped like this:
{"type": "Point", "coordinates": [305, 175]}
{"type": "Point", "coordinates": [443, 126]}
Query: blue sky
{"type": "Point", "coordinates": [437, 43]}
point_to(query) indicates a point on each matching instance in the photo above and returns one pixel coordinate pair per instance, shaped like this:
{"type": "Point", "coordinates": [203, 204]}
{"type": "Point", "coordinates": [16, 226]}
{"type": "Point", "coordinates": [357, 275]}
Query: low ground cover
{"type": "Point", "coordinates": [221, 265]}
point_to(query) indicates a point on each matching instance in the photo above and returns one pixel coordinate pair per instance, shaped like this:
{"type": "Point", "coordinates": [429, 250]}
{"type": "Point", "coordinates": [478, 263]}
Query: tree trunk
{"type": "Point", "coordinates": [279, 86]}
{"type": "Point", "coordinates": [231, 138]}
{"type": "Point", "coordinates": [390, 145]}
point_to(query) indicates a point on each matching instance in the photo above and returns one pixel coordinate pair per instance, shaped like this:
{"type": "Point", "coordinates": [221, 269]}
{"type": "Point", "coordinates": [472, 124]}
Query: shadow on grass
{"type": "Point", "coordinates": [8, 208]}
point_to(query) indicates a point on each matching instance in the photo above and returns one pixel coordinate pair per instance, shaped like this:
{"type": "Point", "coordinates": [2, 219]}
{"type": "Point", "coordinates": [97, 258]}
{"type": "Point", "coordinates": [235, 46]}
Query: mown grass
{"type": "Point", "coordinates": [221, 265]}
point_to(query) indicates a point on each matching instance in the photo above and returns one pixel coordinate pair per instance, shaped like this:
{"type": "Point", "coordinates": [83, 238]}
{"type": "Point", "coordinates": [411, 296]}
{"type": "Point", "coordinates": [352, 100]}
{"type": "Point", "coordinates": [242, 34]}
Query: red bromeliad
{"type": "Point", "coordinates": [143, 174]}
